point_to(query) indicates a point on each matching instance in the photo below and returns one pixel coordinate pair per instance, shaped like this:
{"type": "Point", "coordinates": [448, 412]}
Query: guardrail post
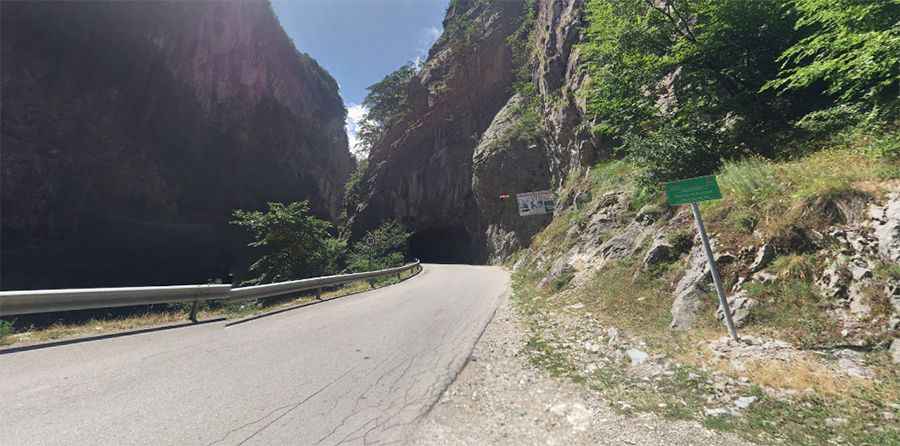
{"type": "Point", "coordinates": [193, 314]}
{"type": "Point", "coordinates": [318, 294]}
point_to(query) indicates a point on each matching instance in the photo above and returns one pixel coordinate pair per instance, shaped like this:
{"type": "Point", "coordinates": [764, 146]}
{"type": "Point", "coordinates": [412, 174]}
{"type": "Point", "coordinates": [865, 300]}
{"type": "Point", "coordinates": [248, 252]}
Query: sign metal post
{"type": "Point", "coordinates": [691, 191]}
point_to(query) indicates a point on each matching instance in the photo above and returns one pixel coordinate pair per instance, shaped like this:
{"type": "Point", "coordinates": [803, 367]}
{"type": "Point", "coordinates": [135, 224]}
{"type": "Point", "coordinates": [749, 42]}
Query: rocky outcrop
{"type": "Point", "coordinates": [886, 225]}
{"type": "Point", "coordinates": [558, 30]}
{"type": "Point", "coordinates": [130, 130]}
{"type": "Point", "coordinates": [508, 159]}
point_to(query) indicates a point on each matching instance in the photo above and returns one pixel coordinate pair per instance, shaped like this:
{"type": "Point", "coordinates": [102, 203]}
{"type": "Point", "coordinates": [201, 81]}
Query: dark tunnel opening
{"type": "Point", "coordinates": [442, 245]}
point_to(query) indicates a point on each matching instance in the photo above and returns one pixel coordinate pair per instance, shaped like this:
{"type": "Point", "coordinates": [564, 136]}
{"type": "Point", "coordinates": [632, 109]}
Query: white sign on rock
{"type": "Point", "coordinates": [536, 203]}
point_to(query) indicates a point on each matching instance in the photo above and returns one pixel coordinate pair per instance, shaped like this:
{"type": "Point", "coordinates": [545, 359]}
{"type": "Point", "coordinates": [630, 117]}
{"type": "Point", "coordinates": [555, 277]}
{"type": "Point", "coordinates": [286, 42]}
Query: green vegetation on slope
{"type": "Point", "coordinates": [762, 198]}
{"type": "Point", "coordinates": [682, 84]}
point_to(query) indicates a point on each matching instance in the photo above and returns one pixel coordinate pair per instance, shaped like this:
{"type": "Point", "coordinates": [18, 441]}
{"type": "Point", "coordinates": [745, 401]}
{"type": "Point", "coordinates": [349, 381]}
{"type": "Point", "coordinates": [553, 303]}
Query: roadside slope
{"type": "Point", "coordinates": [500, 398]}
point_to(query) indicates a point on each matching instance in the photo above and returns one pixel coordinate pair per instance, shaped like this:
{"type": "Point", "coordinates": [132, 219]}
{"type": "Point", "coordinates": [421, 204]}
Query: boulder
{"type": "Point", "coordinates": [624, 244]}
{"type": "Point", "coordinates": [886, 225]}
{"type": "Point", "coordinates": [686, 306]}
{"type": "Point", "coordinates": [660, 251]}
{"type": "Point", "coordinates": [636, 356]}
{"type": "Point", "coordinates": [764, 255]}
{"type": "Point", "coordinates": [691, 289]}
{"type": "Point", "coordinates": [744, 402]}
{"type": "Point", "coordinates": [764, 277]}
{"type": "Point", "coordinates": [649, 214]}
{"type": "Point", "coordinates": [741, 305]}
{"type": "Point", "coordinates": [834, 280]}
{"type": "Point", "coordinates": [851, 364]}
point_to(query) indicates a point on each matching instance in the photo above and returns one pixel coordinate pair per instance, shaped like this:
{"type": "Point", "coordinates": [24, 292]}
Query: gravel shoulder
{"type": "Point", "coordinates": [499, 398]}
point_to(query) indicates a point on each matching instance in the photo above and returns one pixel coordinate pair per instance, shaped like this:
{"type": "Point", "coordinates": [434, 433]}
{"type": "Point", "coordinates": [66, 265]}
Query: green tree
{"type": "Point", "coordinates": [687, 70]}
{"type": "Point", "coordinates": [355, 188]}
{"type": "Point", "coordinates": [851, 46]}
{"type": "Point", "coordinates": [295, 244]}
{"type": "Point", "coordinates": [383, 247]}
{"type": "Point", "coordinates": [385, 103]}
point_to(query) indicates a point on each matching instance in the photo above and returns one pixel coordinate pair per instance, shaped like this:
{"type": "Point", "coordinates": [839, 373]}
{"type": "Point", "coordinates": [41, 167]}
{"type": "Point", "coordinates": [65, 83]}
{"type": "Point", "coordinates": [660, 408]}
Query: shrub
{"type": "Point", "coordinates": [830, 120]}
{"type": "Point", "coordinates": [562, 280]}
{"type": "Point", "coordinates": [795, 266]}
{"type": "Point", "coordinates": [669, 154]}
{"type": "Point", "coordinates": [296, 244]}
{"type": "Point", "coordinates": [383, 247]}
{"type": "Point", "coordinates": [5, 330]}
{"type": "Point", "coordinates": [681, 241]}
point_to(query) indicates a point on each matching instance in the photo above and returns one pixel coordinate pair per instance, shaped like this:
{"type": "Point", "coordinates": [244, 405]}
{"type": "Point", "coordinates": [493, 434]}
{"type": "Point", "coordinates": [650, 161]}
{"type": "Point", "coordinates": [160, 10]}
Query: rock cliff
{"type": "Point", "coordinates": [494, 112]}
{"type": "Point", "coordinates": [421, 171]}
{"type": "Point", "coordinates": [130, 130]}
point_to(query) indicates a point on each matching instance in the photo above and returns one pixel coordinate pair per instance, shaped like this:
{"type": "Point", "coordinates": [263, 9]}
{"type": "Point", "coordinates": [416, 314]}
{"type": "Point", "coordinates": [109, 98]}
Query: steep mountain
{"type": "Point", "coordinates": [479, 127]}
{"type": "Point", "coordinates": [130, 130]}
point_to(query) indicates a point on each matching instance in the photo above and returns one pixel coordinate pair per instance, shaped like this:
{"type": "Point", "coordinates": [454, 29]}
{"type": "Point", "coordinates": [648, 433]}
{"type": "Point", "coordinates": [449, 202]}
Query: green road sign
{"type": "Point", "coordinates": [693, 190]}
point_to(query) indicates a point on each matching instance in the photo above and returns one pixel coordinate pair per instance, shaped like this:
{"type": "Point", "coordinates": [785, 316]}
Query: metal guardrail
{"type": "Point", "coordinates": [44, 301]}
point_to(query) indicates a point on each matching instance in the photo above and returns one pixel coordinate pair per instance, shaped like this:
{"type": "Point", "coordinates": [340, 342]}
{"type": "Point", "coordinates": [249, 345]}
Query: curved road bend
{"type": "Point", "coordinates": [357, 370]}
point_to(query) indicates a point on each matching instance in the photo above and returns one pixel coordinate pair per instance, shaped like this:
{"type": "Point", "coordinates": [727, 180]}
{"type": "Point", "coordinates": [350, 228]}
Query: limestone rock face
{"type": "Point", "coordinates": [130, 130]}
{"type": "Point", "coordinates": [886, 221]}
{"type": "Point", "coordinates": [691, 289]}
{"type": "Point", "coordinates": [507, 161]}
{"type": "Point", "coordinates": [466, 140]}
{"type": "Point", "coordinates": [559, 25]}
{"type": "Point", "coordinates": [421, 171]}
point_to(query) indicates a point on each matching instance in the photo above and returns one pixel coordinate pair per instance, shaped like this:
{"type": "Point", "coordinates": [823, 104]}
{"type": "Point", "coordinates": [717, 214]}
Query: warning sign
{"type": "Point", "coordinates": [536, 203]}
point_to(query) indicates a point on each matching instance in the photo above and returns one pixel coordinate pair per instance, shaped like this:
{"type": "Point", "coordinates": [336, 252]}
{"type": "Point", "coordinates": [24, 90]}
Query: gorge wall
{"type": "Point", "coordinates": [493, 111]}
{"type": "Point", "coordinates": [130, 130]}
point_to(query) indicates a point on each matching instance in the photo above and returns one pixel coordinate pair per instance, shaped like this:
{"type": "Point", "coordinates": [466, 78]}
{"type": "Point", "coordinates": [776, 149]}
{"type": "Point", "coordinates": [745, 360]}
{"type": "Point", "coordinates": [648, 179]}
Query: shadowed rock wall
{"type": "Point", "coordinates": [130, 130]}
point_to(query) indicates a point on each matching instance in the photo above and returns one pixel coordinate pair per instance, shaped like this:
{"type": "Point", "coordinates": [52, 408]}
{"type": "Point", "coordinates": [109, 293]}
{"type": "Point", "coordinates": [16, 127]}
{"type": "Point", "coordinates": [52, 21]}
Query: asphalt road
{"type": "Point", "coordinates": [358, 370]}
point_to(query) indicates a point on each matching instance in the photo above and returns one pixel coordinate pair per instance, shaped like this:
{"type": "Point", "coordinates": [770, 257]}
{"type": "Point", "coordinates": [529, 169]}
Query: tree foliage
{"type": "Point", "coordinates": [385, 103]}
{"type": "Point", "coordinates": [383, 247]}
{"type": "Point", "coordinates": [688, 70]}
{"type": "Point", "coordinates": [355, 188]}
{"type": "Point", "coordinates": [295, 243]}
{"type": "Point", "coordinates": [851, 46]}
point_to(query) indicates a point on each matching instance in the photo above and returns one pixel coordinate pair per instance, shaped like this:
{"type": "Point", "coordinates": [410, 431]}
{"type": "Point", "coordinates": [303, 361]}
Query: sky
{"type": "Point", "coordinates": [360, 41]}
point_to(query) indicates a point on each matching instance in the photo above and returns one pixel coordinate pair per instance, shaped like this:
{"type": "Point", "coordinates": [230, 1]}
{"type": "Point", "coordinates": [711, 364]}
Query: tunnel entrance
{"type": "Point", "coordinates": [442, 245]}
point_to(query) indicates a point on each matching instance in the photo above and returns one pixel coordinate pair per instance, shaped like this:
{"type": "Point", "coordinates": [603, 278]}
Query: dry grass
{"type": "Point", "coordinates": [61, 330]}
{"type": "Point", "coordinates": [769, 197]}
{"type": "Point", "coordinates": [800, 375]}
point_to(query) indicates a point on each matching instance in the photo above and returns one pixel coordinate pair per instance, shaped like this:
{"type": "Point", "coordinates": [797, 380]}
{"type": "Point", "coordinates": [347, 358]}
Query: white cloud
{"type": "Point", "coordinates": [355, 114]}
{"type": "Point", "coordinates": [429, 36]}
{"type": "Point", "coordinates": [432, 33]}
